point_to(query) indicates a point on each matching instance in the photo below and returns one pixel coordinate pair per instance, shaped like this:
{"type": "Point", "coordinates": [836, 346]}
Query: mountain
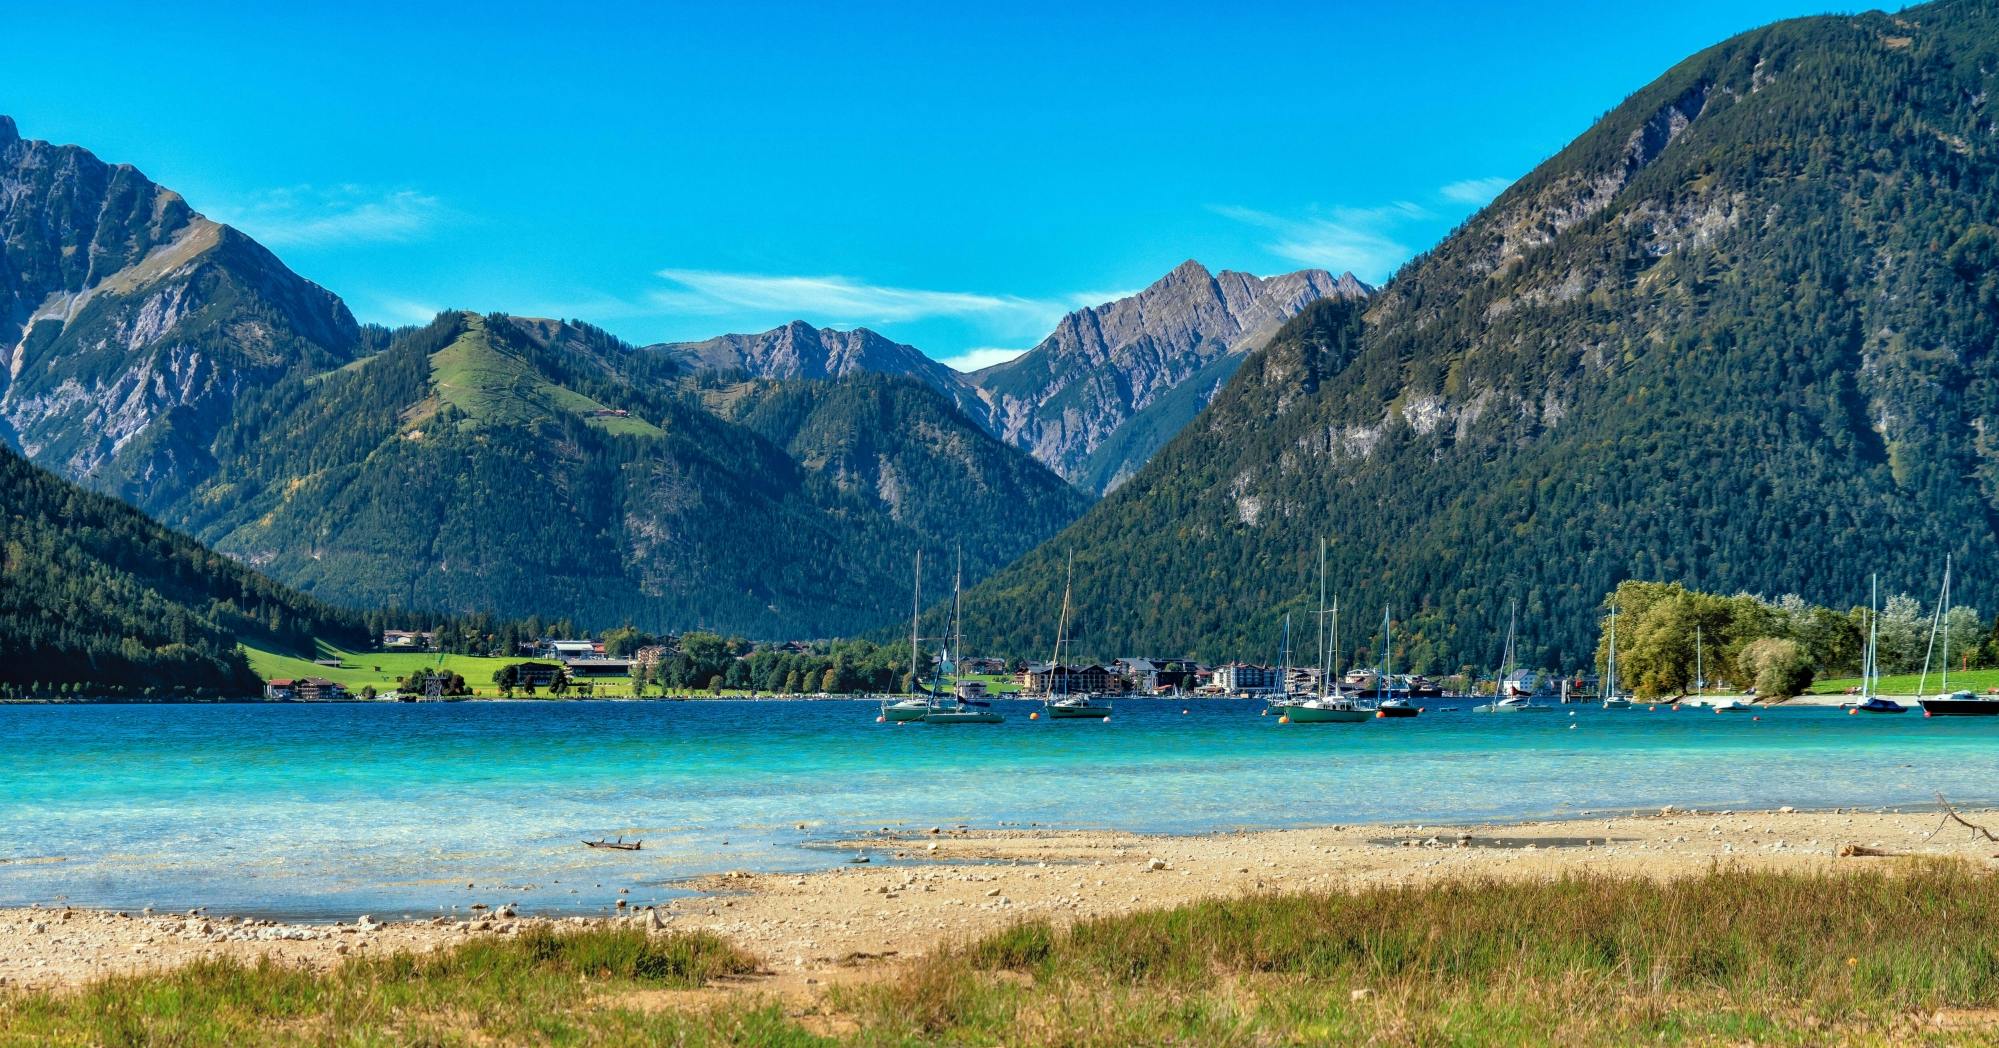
{"type": "Point", "coordinates": [98, 595]}
{"type": "Point", "coordinates": [1739, 334]}
{"type": "Point", "coordinates": [128, 322]}
{"type": "Point", "coordinates": [799, 350]}
{"type": "Point", "coordinates": [1099, 396]}
{"type": "Point", "coordinates": [535, 466]}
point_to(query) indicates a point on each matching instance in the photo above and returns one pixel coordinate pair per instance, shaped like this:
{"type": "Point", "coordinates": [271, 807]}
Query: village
{"type": "Point", "coordinates": [407, 666]}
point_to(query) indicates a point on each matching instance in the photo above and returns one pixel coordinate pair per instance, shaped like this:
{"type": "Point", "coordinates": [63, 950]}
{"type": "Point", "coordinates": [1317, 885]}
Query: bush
{"type": "Point", "coordinates": [1779, 667]}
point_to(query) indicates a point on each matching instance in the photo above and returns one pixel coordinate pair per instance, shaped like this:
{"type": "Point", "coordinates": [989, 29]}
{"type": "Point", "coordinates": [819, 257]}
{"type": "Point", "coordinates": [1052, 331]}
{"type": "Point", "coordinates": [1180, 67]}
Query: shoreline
{"type": "Point", "coordinates": [919, 889]}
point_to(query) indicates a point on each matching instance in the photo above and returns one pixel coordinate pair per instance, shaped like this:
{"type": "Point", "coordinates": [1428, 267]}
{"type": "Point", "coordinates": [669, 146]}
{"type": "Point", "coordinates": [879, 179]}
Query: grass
{"type": "Point", "coordinates": [1860, 956]}
{"type": "Point", "coordinates": [498, 388]}
{"type": "Point", "coordinates": [1905, 683]}
{"type": "Point", "coordinates": [538, 988]}
{"type": "Point", "coordinates": [361, 668]}
{"type": "Point", "coordinates": [1729, 956]}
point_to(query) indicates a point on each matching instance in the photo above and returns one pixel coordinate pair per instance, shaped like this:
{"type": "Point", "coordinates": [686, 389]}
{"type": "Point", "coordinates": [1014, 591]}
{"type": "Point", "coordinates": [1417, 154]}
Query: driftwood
{"type": "Point", "coordinates": [1950, 815]}
{"type": "Point", "coordinates": [1849, 851]}
{"type": "Point", "coordinates": [619, 845]}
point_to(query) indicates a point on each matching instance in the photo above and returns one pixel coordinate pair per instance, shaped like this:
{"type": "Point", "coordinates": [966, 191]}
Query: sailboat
{"type": "Point", "coordinates": [1611, 699]}
{"type": "Point", "coordinates": [1948, 703]}
{"type": "Point", "coordinates": [958, 711]}
{"type": "Point", "coordinates": [1501, 702]}
{"type": "Point", "coordinates": [913, 707]}
{"type": "Point", "coordinates": [1870, 665]}
{"type": "Point", "coordinates": [1067, 706]}
{"type": "Point", "coordinates": [1321, 708]}
{"type": "Point", "coordinates": [1390, 706]}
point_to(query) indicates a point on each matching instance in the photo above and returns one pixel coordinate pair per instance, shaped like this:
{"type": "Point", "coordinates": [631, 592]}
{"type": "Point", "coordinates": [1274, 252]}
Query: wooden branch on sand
{"type": "Point", "coordinates": [1848, 851]}
{"type": "Point", "coordinates": [1951, 815]}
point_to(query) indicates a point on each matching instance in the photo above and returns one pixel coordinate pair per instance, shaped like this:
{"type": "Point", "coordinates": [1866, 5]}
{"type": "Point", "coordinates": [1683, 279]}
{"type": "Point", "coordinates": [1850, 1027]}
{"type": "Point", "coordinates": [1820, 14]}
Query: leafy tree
{"type": "Point", "coordinates": [1779, 667]}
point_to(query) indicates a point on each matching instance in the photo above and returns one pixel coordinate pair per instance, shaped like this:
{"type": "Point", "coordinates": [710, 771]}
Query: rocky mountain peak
{"type": "Point", "coordinates": [8, 132]}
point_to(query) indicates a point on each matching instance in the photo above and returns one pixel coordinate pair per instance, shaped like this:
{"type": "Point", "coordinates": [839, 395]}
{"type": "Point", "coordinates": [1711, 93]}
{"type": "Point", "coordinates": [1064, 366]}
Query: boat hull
{"type": "Point", "coordinates": [1078, 712]}
{"type": "Point", "coordinates": [1961, 707]}
{"type": "Point", "coordinates": [962, 717]}
{"type": "Point", "coordinates": [1392, 712]}
{"type": "Point", "coordinates": [1617, 704]}
{"type": "Point", "coordinates": [904, 713]}
{"type": "Point", "coordinates": [1314, 715]}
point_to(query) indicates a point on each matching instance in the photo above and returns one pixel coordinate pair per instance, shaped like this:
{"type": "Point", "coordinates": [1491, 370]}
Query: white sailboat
{"type": "Point", "coordinates": [957, 710]}
{"type": "Point", "coordinates": [1321, 708]}
{"type": "Point", "coordinates": [1612, 699]}
{"type": "Point", "coordinates": [912, 707]}
{"type": "Point", "coordinates": [1502, 703]}
{"type": "Point", "coordinates": [1066, 706]}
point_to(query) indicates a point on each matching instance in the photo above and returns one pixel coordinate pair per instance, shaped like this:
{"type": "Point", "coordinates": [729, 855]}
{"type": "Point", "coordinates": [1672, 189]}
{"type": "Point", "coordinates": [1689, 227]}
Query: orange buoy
{"type": "Point", "coordinates": [1107, 720]}
{"type": "Point", "coordinates": [1676, 707]}
{"type": "Point", "coordinates": [879, 720]}
{"type": "Point", "coordinates": [1283, 718]}
{"type": "Point", "coordinates": [1034, 716]}
{"type": "Point", "coordinates": [1378, 715]}
{"type": "Point", "coordinates": [1755, 718]}
{"type": "Point", "coordinates": [1851, 712]}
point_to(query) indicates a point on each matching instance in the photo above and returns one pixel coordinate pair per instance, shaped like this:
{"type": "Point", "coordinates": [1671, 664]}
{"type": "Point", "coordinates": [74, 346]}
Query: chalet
{"type": "Point", "coordinates": [1041, 678]}
{"type": "Point", "coordinates": [985, 666]}
{"type": "Point", "coordinates": [1241, 678]}
{"type": "Point", "coordinates": [970, 689]}
{"type": "Point", "coordinates": [318, 689]}
{"type": "Point", "coordinates": [281, 689]}
{"type": "Point", "coordinates": [1154, 676]}
{"type": "Point", "coordinates": [408, 640]}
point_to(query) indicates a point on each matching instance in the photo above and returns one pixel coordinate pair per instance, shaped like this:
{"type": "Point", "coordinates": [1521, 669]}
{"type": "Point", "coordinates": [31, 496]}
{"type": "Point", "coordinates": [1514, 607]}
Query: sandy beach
{"type": "Point", "coordinates": [918, 890]}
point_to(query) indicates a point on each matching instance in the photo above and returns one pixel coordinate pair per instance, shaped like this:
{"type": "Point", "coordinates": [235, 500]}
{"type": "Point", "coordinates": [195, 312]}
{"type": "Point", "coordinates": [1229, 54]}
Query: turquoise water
{"type": "Point", "coordinates": [320, 811]}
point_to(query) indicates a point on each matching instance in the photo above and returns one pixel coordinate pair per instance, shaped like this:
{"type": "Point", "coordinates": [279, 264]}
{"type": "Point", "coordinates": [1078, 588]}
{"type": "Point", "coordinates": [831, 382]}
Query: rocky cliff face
{"type": "Point", "coordinates": [1104, 367]}
{"type": "Point", "coordinates": [128, 321]}
{"type": "Point", "coordinates": [799, 350]}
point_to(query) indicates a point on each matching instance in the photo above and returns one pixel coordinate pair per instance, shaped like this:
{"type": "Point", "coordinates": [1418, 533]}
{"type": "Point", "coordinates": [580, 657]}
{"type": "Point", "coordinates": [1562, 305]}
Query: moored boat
{"type": "Point", "coordinates": [1510, 695]}
{"type": "Point", "coordinates": [1397, 708]}
{"type": "Point", "coordinates": [1877, 704]}
{"type": "Point", "coordinates": [1065, 706]}
{"type": "Point", "coordinates": [1731, 705]}
{"type": "Point", "coordinates": [1961, 704]}
{"type": "Point", "coordinates": [1612, 700]}
{"type": "Point", "coordinates": [1328, 706]}
{"type": "Point", "coordinates": [1078, 707]}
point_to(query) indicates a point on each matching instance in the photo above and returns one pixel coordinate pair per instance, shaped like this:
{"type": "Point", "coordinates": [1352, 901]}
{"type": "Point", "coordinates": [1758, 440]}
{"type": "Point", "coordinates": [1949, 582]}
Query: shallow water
{"type": "Point", "coordinates": [320, 811]}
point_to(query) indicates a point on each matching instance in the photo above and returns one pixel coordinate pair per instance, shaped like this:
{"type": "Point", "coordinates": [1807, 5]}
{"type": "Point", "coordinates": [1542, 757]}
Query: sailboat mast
{"type": "Point", "coordinates": [1870, 666]}
{"type": "Point", "coordinates": [1324, 669]}
{"type": "Point", "coordinates": [957, 620]}
{"type": "Point", "coordinates": [1061, 628]}
{"type": "Point", "coordinates": [1387, 687]}
{"type": "Point", "coordinates": [1700, 677]}
{"type": "Point", "coordinates": [1943, 613]}
{"type": "Point", "coordinates": [915, 616]}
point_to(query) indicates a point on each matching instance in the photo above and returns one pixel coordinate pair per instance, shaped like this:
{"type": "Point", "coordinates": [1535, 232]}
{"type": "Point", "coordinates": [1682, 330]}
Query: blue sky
{"type": "Point", "coordinates": [955, 178]}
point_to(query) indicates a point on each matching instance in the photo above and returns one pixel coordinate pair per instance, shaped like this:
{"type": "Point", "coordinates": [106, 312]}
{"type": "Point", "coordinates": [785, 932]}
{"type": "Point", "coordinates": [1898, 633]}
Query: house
{"type": "Point", "coordinates": [408, 640]}
{"type": "Point", "coordinates": [1154, 676]}
{"type": "Point", "coordinates": [1041, 678]}
{"type": "Point", "coordinates": [986, 666]}
{"type": "Point", "coordinates": [572, 649]}
{"type": "Point", "coordinates": [970, 689]}
{"type": "Point", "coordinates": [281, 689]}
{"type": "Point", "coordinates": [318, 689]}
{"type": "Point", "coordinates": [536, 674]}
{"type": "Point", "coordinates": [600, 667]}
{"type": "Point", "coordinates": [1241, 678]}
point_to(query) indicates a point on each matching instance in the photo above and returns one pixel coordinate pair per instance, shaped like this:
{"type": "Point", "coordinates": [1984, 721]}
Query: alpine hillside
{"type": "Point", "coordinates": [540, 467]}
{"type": "Point", "coordinates": [97, 596]}
{"type": "Point", "coordinates": [128, 323]}
{"type": "Point", "coordinates": [1738, 334]}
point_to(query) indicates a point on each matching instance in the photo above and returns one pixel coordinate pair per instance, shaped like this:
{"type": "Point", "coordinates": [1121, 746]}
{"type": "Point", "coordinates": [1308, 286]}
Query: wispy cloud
{"type": "Point", "coordinates": [838, 298]}
{"type": "Point", "coordinates": [391, 310]}
{"type": "Point", "coordinates": [316, 216]}
{"type": "Point", "coordinates": [1474, 190]}
{"type": "Point", "coordinates": [980, 357]}
{"type": "Point", "coordinates": [1361, 239]}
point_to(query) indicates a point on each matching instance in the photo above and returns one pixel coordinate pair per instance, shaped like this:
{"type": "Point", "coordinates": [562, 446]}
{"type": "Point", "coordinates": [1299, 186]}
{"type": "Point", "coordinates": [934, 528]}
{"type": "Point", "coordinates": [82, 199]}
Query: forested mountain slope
{"type": "Point", "coordinates": [93, 591]}
{"type": "Point", "coordinates": [1738, 334]}
{"type": "Point", "coordinates": [537, 467]}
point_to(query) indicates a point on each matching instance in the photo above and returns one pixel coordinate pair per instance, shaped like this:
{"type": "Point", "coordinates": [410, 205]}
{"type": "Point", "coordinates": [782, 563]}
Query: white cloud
{"type": "Point", "coordinates": [345, 214]}
{"type": "Point", "coordinates": [1476, 191]}
{"type": "Point", "coordinates": [404, 311]}
{"type": "Point", "coordinates": [980, 357]}
{"type": "Point", "coordinates": [1360, 239]}
{"type": "Point", "coordinates": [840, 299]}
